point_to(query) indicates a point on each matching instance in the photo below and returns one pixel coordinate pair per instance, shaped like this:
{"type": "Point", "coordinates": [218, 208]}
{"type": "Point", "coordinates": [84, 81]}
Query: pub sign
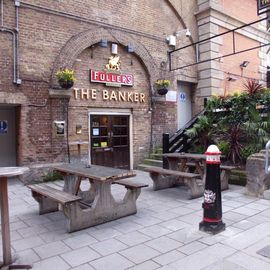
{"type": "Point", "coordinates": [262, 6]}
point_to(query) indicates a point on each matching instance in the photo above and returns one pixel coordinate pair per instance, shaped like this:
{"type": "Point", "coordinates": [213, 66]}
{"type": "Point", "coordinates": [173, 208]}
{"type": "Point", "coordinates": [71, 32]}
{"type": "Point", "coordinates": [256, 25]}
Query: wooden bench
{"type": "Point", "coordinates": [133, 187]}
{"type": "Point", "coordinates": [81, 213]}
{"type": "Point", "coordinates": [130, 184]}
{"type": "Point", "coordinates": [49, 197]}
{"type": "Point", "coordinates": [225, 172]}
{"type": "Point", "coordinates": [165, 178]}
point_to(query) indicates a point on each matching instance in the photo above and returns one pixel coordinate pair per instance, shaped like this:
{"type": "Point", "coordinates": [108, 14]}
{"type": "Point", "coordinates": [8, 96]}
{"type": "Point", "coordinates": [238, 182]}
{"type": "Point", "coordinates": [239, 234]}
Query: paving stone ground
{"type": "Point", "coordinates": [162, 235]}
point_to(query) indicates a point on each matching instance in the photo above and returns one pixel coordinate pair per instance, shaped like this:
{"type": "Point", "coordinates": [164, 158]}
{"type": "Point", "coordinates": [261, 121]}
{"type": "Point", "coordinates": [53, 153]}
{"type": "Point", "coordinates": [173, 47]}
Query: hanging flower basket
{"type": "Point", "coordinates": [162, 86]}
{"type": "Point", "coordinates": [162, 91]}
{"type": "Point", "coordinates": [65, 78]}
{"type": "Point", "coordinates": [65, 84]}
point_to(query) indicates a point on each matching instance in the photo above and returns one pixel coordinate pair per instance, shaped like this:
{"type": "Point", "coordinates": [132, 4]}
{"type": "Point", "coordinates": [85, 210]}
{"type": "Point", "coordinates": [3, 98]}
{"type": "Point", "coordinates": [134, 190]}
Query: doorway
{"type": "Point", "coordinates": [184, 104]}
{"type": "Point", "coordinates": [110, 137]}
{"type": "Point", "coordinates": [7, 136]}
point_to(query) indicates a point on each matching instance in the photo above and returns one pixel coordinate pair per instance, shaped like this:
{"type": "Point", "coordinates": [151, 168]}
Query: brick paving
{"type": "Point", "coordinates": [162, 235]}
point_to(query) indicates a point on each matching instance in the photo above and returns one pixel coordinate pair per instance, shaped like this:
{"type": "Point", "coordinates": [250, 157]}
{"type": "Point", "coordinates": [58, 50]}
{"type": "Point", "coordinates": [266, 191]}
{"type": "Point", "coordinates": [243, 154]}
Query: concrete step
{"type": "Point", "coordinates": [156, 156]}
{"type": "Point", "coordinates": [159, 150]}
{"type": "Point", "coordinates": [143, 167]}
{"type": "Point", "coordinates": [153, 162]}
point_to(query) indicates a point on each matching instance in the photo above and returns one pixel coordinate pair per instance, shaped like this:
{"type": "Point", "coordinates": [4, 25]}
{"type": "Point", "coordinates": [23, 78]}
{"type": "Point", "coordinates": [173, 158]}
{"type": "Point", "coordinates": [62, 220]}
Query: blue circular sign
{"type": "Point", "coordinates": [182, 96]}
{"type": "Point", "coordinates": [3, 126]}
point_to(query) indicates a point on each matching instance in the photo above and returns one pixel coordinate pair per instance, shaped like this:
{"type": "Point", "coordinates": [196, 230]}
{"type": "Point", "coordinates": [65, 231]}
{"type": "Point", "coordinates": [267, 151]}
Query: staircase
{"type": "Point", "coordinates": [178, 142]}
{"type": "Point", "coordinates": [154, 159]}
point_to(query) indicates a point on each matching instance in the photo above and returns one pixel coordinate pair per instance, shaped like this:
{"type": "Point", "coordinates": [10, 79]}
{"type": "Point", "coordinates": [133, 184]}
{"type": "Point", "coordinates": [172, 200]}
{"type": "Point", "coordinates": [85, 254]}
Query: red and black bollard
{"type": "Point", "coordinates": [212, 207]}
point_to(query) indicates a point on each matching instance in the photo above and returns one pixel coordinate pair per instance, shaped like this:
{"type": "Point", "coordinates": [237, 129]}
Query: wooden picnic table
{"type": "Point", "coordinates": [185, 161]}
{"type": "Point", "coordinates": [179, 161]}
{"type": "Point", "coordinates": [94, 206]}
{"type": "Point", "coordinates": [5, 173]}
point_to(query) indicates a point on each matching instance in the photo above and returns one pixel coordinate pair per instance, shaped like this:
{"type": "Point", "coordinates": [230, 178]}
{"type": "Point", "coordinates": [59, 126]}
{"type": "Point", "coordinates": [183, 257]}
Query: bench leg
{"type": "Point", "coordinates": [129, 201]}
{"type": "Point", "coordinates": [132, 194]}
{"type": "Point", "coordinates": [46, 205]}
{"type": "Point", "coordinates": [73, 216]}
{"type": "Point", "coordinates": [224, 179]}
{"type": "Point", "coordinates": [78, 218]}
{"type": "Point", "coordinates": [161, 181]}
{"type": "Point", "coordinates": [196, 188]}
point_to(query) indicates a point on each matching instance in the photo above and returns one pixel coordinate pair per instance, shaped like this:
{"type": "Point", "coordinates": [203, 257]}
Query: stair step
{"type": "Point", "coordinates": [143, 167]}
{"type": "Point", "coordinates": [156, 156]}
{"type": "Point", "coordinates": [153, 162]}
{"type": "Point", "coordinates": [158, 150]}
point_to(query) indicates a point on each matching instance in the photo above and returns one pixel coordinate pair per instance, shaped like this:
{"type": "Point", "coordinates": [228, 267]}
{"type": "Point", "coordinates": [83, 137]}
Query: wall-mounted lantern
{"type": "Point", "coordinates": [103, 43]}
{"type": "Point", "coordinates": [78, 129]}
{"type": "Point", "coordinates": [114, 48]}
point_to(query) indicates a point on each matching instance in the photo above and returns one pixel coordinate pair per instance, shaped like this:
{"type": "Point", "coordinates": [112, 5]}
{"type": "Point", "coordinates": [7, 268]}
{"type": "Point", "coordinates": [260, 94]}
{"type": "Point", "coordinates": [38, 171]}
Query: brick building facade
{"type": "Point", "coordinates": [39, 37]}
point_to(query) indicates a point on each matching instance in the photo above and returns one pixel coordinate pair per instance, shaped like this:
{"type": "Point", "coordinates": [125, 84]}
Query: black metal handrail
{"type": "Point", "coordinates": [179, 141]}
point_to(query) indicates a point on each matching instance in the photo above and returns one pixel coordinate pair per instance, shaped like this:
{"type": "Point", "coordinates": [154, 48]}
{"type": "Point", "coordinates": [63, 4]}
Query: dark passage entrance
{"type": "Point", "coordinates": [7, 137]}
{"type": "Point", "coordinates": [110, 140]}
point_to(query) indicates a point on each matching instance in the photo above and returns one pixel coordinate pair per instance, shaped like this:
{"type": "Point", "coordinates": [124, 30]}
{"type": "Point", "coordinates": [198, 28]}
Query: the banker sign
{"type": "Point", "coordinates": [263, 5]}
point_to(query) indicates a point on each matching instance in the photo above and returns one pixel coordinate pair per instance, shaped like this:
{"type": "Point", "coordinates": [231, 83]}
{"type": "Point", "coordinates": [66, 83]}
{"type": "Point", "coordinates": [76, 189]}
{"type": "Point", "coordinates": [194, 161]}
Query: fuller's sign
{"type": "Point", "coordinates": [110, 78]}
{"type": "Point", "coordinates": [262, 5]}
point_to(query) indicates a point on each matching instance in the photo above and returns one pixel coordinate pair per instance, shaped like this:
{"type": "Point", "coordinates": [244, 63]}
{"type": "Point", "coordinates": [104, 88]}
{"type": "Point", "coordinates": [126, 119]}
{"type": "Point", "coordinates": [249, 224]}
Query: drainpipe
{"type": "Point", "coordinates": [2, 13]}
{"type": "Point", "coordinates": [15, 44]}
{"type": "Point", "coordinates": [18, 80]}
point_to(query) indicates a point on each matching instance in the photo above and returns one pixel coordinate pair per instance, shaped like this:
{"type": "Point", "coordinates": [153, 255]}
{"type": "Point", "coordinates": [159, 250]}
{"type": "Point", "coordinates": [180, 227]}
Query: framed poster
{"type": "Point", "coordinates": [171, 96]}
{"type": "Point", "coordinates": [59, 128]}
{"type": "Point", "coordinates": [103, 144]}
{"type": "Point", "coordinates": [95, 131]}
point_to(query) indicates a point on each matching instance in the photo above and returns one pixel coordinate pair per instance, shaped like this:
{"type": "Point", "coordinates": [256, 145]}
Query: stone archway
{"type": "Point", "coordinates": [83, 40]}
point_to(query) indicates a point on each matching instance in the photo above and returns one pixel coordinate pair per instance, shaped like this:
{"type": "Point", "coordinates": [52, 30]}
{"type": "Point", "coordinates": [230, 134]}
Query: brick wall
{"type": "Point", "coordinates": [216, 17]}
{"type": "Point", "coordinates": [54, 34]}
{"type": "Point", "coordinates": [241, 9]}
{"type": "Point", "coordinates": [231, 65]}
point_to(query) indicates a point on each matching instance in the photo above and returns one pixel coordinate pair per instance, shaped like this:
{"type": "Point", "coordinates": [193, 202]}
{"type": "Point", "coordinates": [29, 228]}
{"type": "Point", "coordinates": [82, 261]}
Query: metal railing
{"type": "Point", "coordinates": [267, 168]}
{"type": "Point", "coordinates": [179, 141]}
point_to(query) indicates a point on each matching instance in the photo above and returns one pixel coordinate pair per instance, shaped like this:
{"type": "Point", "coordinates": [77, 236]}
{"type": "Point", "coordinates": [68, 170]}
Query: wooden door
{"type": "Point", "coordinates": [110, 140]}
{"type": "Point", "coordinates": [184, 105]}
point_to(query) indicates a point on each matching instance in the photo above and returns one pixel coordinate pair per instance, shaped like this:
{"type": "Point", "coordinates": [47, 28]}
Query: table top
{"type": "Point", "coordinates": [95, 172]}
{"type": "Point", "coordinates": [12, 171]}
{"type": "Point", "coordinates": [185, 155]}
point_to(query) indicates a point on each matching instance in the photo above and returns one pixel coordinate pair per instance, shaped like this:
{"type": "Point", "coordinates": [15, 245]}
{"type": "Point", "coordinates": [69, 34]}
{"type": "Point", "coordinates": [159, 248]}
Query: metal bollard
{"type": "Point", "coordinates": [212, 207]}
{"type": "Point", "coordinates": [267, 168]}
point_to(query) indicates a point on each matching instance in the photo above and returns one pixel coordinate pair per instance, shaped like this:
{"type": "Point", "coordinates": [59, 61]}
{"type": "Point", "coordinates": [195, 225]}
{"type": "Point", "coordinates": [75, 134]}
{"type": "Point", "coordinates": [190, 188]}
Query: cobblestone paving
{"type": "Point", "coordinates": [162, 235]}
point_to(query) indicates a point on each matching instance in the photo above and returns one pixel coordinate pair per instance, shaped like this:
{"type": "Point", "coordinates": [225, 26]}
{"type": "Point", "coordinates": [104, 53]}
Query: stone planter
{"type": "Point", "coordinates": [60, 93]}
{"type": "Point", "coordinates": [257, 181]}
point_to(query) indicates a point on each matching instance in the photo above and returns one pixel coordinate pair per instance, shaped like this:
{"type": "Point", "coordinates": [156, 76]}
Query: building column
{"type": "Point", "coordinates": [209, 74]}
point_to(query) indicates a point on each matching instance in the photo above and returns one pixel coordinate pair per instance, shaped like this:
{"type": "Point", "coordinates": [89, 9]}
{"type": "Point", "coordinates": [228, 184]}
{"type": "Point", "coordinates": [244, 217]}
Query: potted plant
{"type": "Point", "coordinates": [162, 86]}
{"type": "Point", "coordinates": [65, 78]}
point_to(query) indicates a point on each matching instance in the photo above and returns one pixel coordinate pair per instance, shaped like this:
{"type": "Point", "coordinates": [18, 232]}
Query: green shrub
{"type": "Point", "coordinates": [50, 176]}
{"type": "Point", "coordinates": [238, 124]}
{"type": "Point", "coordinates": [224, 147]}
{"type": "Point", "coordinates": [248, 150]}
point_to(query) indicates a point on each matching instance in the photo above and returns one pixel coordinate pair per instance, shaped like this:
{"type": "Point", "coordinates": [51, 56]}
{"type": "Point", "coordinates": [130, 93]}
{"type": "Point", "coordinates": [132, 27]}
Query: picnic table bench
{"type": "Point", "coordinates": [165, 178]}
{"type": "Point", "coordinates": [225, 172]}
{"type": "Point", "coordinates": [90, 207]}
{"type": "Point", "coordinates": [185, 161]}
